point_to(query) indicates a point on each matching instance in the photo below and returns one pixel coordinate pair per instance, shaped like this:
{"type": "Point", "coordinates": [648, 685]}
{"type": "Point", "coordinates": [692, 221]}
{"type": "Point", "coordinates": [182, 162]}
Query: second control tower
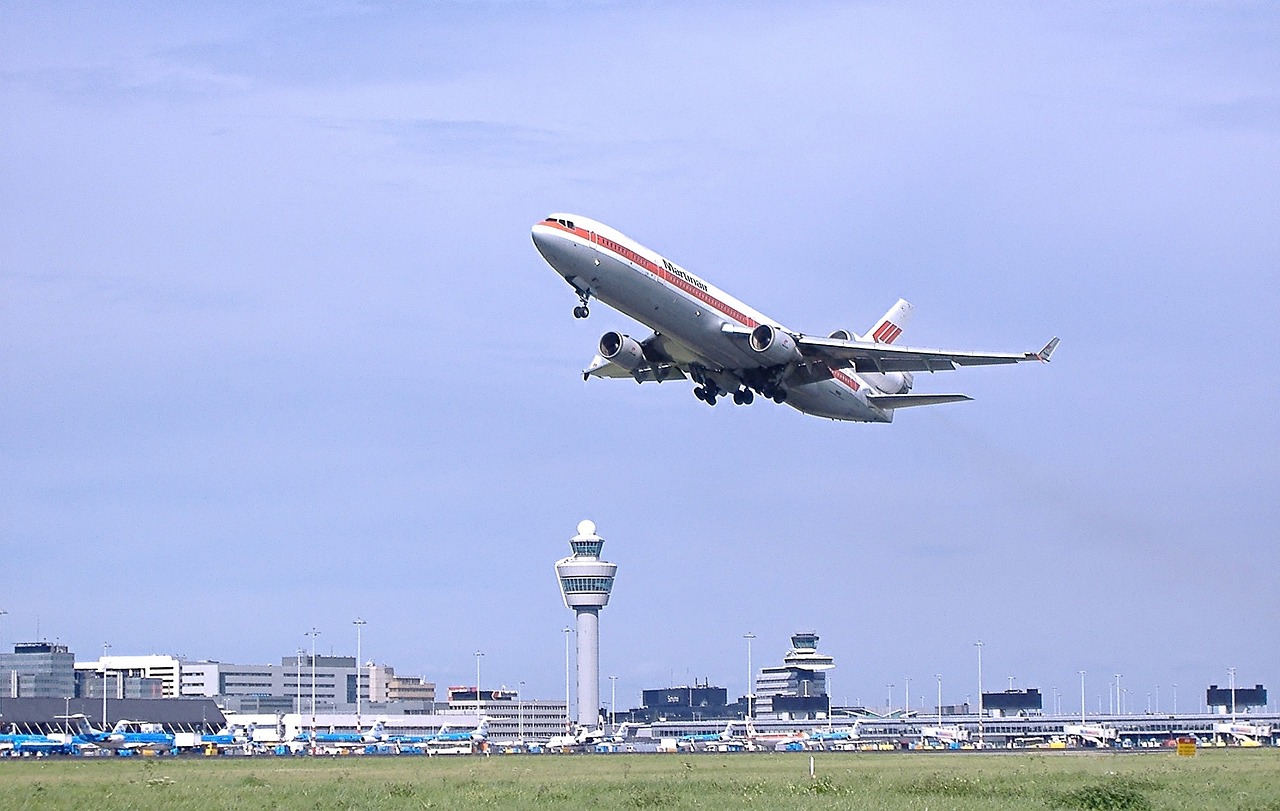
{"type": "Point", "coordinates": [585, 583]}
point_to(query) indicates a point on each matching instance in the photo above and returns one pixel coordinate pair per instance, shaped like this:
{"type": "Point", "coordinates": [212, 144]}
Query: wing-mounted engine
{"type": "Point", "coordinates": [844, 335]}
{"type": "Point", "coordinates": [773, 346]}
{"type": "Point", "coordinates": [622, 350]}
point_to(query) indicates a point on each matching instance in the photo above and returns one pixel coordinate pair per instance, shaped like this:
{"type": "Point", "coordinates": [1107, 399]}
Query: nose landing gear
{"type": "Point", "coordinates": [582, 311]}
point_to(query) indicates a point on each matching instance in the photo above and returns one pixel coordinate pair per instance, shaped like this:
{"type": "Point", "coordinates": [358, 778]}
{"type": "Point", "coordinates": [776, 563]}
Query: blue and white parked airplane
{"type": "Point", "coordinates": [26, 744]}
{"type": "Point", "coordinates": [125, 736]}
{"type": "Point", "coordinates": [729, 349]}
{"type": "Point", "coordinates": [375, 734]}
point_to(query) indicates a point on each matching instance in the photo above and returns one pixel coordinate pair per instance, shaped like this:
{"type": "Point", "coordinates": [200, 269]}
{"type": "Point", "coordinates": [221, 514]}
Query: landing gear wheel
{"type": "Point", "coordinates": [581, 311]}
{"type": "Point", "coordinates": [699, 393]}
{"type": "Point", "coordinates": [747, 397]}
{"type": "Point", "coordinates": [780, 396]}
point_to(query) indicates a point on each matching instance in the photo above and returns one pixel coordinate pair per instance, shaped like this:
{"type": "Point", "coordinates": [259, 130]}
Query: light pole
{"type": "Point", "coordinates": [982, 735]}
{"type": "Point", "coordinates": [298, 684]}
{"type": "Point", "coordinates": [479, 712]}
{"type": "Point", "coordinates": [1175, 699]}
{"type": "Point", "coordinates": [1082, 698]}
{"type": "Point", "coordinates": [1057, 706]}
{"type": "Point", "coordinates": [613, 701]}
{"type": "Point", "coordinates": [313, 633]}
{"type": "Point", "coordinates": [1119, 695]}
{"type": "Point", "coordinates": [520, 711]}
{"type": "Point", "coordinates": [567, 726]}
{"type": "Point", "coordinates": [906, 701]}
{"type": "Point", "coordinates": [105, 647]}
{"type": "Point", "coordinates": [1231, 673]}
{"type": "Point", "coordinates": [359, 623]}
{"type": "Point", "coordinates": [938, 676]}
{"type": "Point", "coordinates": [1157, 698]}
{"type": "Point", "coordinates": [750, 674]}
{"type": "Point", "coordinates": [890, 701]}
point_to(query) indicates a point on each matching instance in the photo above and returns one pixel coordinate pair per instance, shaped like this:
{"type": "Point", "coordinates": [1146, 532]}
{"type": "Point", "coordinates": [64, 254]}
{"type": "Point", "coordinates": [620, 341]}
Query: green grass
{"type": "Point", "coordinates": [1232, 780]}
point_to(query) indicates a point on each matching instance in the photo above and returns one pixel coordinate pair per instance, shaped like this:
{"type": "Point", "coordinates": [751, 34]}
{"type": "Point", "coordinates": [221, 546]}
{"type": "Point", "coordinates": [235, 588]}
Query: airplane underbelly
{"type": "Point", "coordinates": [834, 400]}
{"type": "Point", "coordinates": [662, 309]}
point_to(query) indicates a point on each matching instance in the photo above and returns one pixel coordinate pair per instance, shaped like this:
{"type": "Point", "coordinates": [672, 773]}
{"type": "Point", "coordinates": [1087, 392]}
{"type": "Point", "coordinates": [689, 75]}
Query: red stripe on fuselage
{"type": "Point", "coordinates": [664, 275]}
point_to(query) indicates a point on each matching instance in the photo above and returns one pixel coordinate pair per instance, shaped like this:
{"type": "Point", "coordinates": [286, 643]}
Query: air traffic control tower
{"type": "Point", "coordinates": [585, 583]}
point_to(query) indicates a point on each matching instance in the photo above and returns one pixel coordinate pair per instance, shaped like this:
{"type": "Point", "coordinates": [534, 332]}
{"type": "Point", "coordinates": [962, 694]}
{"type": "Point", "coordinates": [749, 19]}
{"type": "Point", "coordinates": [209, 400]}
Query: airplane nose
{"type": "Point", "coordinates": [550, 244]}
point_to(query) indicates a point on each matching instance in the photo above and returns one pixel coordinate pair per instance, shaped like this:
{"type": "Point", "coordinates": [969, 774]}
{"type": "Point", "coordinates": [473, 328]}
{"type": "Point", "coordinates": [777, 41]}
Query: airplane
{"type": "Point", "coordinates": [821, 738]}
{"type": "Point", "coordinates": [27, 744]}
{"type": "Point", "coordinates": [125, 736]}
{"type": "Point", "coordinates": [233, 736]}
{"type": "Point", "coordinates": [729, 349]}
{"type": "Point", "coordinates": [692, 741]}
{"type": "Point", "coordinates": [375, 734]}
{"type": "Point", "coordinates": [479, 733]}
{"type": "Point", "coordinates": [779, 741]}
{"type": "Point", "coordinates": [578, 739]}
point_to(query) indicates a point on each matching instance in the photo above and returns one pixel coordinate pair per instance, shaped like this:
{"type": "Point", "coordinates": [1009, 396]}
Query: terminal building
{"type": "Point", "coordinates": [37, 670]}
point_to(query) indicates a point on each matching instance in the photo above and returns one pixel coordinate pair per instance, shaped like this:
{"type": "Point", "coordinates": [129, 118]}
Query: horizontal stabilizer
{"type": "Point", "coordinates": [891, 401]}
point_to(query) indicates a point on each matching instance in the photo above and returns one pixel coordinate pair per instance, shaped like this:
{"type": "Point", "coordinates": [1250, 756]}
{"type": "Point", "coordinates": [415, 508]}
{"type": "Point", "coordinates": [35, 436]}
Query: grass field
{"type": "Point", "coordinates": [1234, 780]}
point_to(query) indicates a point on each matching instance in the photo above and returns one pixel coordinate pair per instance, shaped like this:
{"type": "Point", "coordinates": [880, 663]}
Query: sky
{"type": "Point", "coordinates": [277, 352]}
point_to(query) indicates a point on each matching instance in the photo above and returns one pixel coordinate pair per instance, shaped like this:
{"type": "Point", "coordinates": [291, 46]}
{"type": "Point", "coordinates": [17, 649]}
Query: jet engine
{"type": "Point", "coordinates": [890, 382]}
{"type": "Point", "coordinates": [844, 335]}
{"type": "Point", "coordinates": [775, 347]}
{"type": "Point", "coordinates": [622, 350]}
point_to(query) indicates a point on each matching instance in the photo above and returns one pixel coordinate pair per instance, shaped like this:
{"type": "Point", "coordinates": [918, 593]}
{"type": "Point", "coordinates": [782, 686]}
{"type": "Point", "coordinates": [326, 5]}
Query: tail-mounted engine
{"type": "Point", "coordinates": [890, 382]}
{"type": "Point", "coordinates": [622, 350]}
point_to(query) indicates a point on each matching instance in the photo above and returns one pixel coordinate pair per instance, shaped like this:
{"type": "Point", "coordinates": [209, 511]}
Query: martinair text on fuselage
{"type": "Point", "coordinates": [729, 349]}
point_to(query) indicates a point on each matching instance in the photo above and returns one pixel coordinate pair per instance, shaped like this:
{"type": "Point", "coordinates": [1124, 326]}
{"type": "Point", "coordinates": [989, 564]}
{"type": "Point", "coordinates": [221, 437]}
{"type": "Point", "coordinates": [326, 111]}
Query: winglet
{"type": "Point", "coordinates": [1043, 354]}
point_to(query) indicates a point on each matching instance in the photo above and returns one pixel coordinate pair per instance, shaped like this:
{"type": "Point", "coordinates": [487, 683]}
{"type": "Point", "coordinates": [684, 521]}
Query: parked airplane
{"type": "Point", "coordinates": [375, 734]}
{"type": "Point", "coordinates": [479, 733]}
{"type": "Point", "coordinates": [25, 744]}
{"type": "Point", "coordinates": [580, 738]}
{"type": "Point", "coordinates": [126, 735]}
{"type": "Point", "coordinates": [725, 735]}
{"type": "Point", "coordinates": [231, 737]}
{"type": "Point", "coordinates": [729, 349]}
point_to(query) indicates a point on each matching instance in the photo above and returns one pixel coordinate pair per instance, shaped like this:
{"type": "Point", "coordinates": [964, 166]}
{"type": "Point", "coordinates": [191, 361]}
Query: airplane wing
{"type": "Point", "coordinates": [872, 356]}
{"type": "Point", "coordinates": [659, 364]}
{"type": "Point", "coordinates": [651, 373]}
{"type": "Point", "coordinates": [908, 400]}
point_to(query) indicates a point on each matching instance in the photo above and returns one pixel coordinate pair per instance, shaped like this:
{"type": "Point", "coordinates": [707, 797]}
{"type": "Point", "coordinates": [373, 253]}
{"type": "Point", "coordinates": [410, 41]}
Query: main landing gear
{"type": "Point", "coordinates": [582, 311]}
{"type": "Point", "coordinates": [709, 391]}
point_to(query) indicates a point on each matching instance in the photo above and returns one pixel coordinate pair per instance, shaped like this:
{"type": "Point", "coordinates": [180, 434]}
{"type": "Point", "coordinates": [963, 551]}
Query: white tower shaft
{"type": "Point", "coordinates": [588, 667]}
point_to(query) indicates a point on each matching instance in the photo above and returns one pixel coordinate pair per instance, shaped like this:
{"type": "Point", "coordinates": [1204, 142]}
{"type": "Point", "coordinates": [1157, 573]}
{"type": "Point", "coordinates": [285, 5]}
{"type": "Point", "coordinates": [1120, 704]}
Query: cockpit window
{"type": "Point", "coordinates": [566, 223]}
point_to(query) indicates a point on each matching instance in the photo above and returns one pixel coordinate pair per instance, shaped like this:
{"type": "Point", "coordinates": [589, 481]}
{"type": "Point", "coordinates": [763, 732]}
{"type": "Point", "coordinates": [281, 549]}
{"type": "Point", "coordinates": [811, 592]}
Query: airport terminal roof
{"type": "Point", "coordinates": [172, 712]}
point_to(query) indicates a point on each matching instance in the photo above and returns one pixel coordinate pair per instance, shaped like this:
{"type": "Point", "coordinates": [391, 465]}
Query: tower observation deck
{"type": "Point", "coordinates": [585, 584]}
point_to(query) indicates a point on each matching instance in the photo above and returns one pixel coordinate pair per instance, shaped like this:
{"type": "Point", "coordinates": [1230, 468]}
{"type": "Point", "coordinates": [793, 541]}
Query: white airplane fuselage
{"type": "Point", "coordinates": [688, 312]}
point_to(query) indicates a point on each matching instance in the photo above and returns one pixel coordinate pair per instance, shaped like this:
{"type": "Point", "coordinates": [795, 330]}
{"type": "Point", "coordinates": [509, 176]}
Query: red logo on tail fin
{"type": "Point", "coordinates": [888, 333]}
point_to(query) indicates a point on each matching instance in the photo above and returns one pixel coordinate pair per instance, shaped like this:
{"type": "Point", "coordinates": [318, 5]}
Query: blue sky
{"type": "Point", "coordinates": [278, 351]}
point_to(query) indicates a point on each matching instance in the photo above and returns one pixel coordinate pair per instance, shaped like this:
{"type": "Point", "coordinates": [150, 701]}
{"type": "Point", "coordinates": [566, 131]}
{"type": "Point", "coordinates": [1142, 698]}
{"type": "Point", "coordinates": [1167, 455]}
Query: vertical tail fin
{"type": "Point", "coordinates": [890, 326]}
